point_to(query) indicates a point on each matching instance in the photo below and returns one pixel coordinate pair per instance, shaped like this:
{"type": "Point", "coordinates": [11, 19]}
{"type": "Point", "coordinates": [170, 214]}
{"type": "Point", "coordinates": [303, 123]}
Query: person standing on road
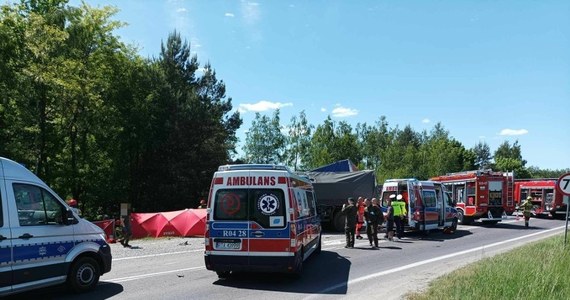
{"type": "Point", "coordinates": [374, 217]}
{"type": "Point", "coordinates": [390, 219]}
{"type": "Point", "coordinates": [360, 206]}
{"type": "Point", "coordinates": [399, 215]}
{"type": "Point", "coordinates": [349, 212]}
{"type": "Point", "coordinates": [126, 230]}
{"type": "Point", "coordinates": [527, 207]}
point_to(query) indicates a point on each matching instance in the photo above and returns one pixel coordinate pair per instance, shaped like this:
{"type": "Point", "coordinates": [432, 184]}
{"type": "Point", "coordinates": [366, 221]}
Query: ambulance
{"type": "Point", "coordinates": [260, 218]}
{"type": "Point", "coordinates": [42, 241]}
{"type": "Point", "coordinates": [429, 205]}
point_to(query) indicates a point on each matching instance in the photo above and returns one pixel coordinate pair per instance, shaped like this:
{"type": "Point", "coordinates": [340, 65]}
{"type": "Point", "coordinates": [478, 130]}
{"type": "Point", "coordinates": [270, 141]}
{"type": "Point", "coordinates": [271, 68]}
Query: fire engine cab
{"type": "Point", "coordinates": [480, 195]}
{"type": "Point", "coordinates": [260, 218]}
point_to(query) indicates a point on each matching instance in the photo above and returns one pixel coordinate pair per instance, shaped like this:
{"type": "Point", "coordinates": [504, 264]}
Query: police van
{"type": "Point", "coordinates": [42, 241]}
{"type": "Point", "coordinates": [260, 218]}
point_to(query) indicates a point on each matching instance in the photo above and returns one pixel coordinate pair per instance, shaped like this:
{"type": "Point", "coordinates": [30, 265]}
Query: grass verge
{"type": "Point", "coordinates": [540, 270]}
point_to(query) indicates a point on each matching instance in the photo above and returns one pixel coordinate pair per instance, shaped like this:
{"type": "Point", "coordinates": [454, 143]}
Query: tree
{"type": "Point", "coordinates": [298, 141]}
{"type": "Point", "coordinates": [372, 140]}
{"type": "Point", "coordinates": [483, 156]}
{"type": "Point", "coordinates": [264, 142]}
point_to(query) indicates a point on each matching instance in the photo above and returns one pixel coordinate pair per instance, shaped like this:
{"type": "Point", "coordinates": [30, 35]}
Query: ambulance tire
{"type": "Point", "coordinates": [223, 274]}
{"type": "Point", "coordinates": [299, 264]}
{"type": "Point", "coordinates": [319, 244]}
{"type": "Point", "coordinates": [83, 275]}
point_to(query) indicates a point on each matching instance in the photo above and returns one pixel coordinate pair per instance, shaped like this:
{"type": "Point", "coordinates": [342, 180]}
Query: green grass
{"type": "Point", "coordinates": [539, 270]}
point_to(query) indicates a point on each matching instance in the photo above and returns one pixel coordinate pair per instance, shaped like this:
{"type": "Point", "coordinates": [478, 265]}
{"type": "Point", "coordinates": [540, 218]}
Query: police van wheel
{"type": "Point", "coordinates": [223, 274]}
{"type": "Point", "coordinates": [84, 274]}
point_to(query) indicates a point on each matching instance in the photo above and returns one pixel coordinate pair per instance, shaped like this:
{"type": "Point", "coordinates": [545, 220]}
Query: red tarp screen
{"type": "Point", "coordinates": [187, 222]}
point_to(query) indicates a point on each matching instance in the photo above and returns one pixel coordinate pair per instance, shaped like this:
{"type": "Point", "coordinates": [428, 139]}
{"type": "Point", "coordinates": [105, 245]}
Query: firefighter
{"type": "Point", "coordinates": [527, 207]}
{"type": "Point", "coordinates": [399, 215]}
{"type": "Point", "coordinates": [360, 206]}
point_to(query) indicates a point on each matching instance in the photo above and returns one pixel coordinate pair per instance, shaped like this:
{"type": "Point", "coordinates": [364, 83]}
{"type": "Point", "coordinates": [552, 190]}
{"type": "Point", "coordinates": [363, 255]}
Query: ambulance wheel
{"type": "Point", "coordinates": [299, 264]}
{"type": "Point", "coordinates": [223, 274]}
{"type": "Point", "coordinates": [84, 274]}
{"type": "Point", "coordinates": [319, 246]}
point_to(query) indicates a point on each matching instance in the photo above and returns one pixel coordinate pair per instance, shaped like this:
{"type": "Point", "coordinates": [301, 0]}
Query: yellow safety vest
{"type": "Point", "coordinates": [399, 208]}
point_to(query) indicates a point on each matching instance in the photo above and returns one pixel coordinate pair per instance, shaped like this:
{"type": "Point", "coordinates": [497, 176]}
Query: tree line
{"type": "Point", "coordinates": [392, 152]}
{"type": "Point", "coordinates": [103, 125]}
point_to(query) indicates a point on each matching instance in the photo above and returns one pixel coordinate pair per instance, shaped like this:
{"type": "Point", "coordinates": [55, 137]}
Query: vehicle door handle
{"type": "Point", "coordinates": [3, 237]}
{"type": "Point", "coordinates": [26, 236]}
{"type": "Point", "coordinates": [258, 234]}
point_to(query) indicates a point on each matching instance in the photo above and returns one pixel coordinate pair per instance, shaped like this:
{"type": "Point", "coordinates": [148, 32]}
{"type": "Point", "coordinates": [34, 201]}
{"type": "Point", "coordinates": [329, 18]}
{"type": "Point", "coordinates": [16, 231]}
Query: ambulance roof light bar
{"type": "Point", "coordinates": [252, 167]}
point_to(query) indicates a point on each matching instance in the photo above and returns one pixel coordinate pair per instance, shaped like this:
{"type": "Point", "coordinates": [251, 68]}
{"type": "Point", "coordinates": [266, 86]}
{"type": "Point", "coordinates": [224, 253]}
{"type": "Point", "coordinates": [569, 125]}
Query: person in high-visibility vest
{"type": "Point", "coordinates": [527, 207]}
{"type": "Point", "coordinates": [400, 213]}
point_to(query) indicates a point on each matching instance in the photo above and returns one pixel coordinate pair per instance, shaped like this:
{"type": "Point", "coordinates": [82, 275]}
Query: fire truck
{"type": "Point", "coordinates": [480, 195]}
{"type": "Point", "coordinates": [546, 200]}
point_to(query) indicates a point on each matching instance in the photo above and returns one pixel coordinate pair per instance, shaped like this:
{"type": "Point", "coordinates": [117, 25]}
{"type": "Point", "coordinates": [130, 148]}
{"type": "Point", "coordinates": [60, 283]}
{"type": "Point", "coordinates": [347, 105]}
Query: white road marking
{"type": "Point", "coordinates": [136, 277]}
{"type": "Point", "coordinates": [427, 261]}
{"type": "Point", "coordinates": [155, 255]}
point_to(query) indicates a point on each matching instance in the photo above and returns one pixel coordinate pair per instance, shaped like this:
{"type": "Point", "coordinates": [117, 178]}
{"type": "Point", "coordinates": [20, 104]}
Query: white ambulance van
{"type": "Point", "coordinates": [260, 218]}
{"type": "Point", "coordinates": [42, 241]}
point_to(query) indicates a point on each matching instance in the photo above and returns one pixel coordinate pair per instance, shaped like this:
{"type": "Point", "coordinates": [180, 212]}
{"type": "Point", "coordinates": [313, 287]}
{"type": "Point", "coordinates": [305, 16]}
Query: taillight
{"type": "Point", "coordinates": [207, 237]}
{"type": "Point", "coordinates": [219, 180]}
{"type": "Point", "coordinates": [293, 236]}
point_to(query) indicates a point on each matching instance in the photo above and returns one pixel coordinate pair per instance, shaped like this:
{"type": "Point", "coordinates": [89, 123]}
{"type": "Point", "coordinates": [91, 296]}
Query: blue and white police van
{"type": "Point", "coordinates": [42, 241]}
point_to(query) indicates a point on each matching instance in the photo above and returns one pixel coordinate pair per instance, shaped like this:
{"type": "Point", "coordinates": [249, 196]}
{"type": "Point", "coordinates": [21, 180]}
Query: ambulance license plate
{"type": "Point", "coordinates": [227, 244]}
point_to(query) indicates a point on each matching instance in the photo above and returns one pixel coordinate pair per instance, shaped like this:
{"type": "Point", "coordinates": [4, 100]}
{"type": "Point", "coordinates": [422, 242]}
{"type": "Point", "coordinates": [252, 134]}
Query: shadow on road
{"type": "Point", "coordinates": [506, 225]}
{"type": "Point", "coordinates": [438, 236]}
{"type": "Point", "coordinates": [104, 290]}
{"type": "Point", "coordinates": [326, 273]}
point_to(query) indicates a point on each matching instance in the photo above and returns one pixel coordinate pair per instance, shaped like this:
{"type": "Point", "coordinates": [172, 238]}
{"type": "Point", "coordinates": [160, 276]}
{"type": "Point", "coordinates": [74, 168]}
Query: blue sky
{"type": "Point", "coordinates": [487, 70]}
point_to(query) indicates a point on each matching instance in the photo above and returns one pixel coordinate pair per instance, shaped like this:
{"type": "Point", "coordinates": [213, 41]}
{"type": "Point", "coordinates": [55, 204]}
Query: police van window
{"type": "Point", "coordinates": [267, 207]}
{"type": "Point", "coordinates": [36, 206]}
{"type": "Point", "coordinates": [231, 204]}
{"type": "Point", "coordinates": [429, 198]}
{"type": "Point", "coordinates": [1, 213]}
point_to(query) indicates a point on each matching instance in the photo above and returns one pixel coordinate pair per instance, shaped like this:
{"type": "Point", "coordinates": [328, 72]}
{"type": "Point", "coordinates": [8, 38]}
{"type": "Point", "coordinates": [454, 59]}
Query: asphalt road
{"type": "Point", "coordinates": [176, 270]}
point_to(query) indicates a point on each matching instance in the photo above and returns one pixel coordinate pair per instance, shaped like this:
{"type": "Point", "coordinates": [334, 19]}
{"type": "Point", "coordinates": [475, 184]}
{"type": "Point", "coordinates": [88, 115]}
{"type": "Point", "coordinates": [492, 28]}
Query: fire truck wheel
{"type": "Point", "coordinates": [460, 217]}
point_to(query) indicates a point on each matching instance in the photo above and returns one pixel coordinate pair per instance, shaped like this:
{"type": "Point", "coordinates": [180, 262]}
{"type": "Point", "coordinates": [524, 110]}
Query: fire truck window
{"type": "Point", "coordinates": [524, 194]}
{"type": "Point", "coordinates": [495, 193]}
{"type": "Point", "coordinates": [460, 194]}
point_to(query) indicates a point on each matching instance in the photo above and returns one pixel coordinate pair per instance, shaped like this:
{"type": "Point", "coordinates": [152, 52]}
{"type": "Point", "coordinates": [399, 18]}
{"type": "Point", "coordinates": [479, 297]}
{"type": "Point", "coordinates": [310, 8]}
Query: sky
{"type": "Point", "coordinates": [489, 71]}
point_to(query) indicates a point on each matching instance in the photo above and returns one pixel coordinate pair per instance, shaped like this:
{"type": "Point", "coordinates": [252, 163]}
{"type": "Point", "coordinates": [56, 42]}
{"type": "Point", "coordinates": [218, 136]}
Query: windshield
{"type": "Point", "coordinates": [263, 206]}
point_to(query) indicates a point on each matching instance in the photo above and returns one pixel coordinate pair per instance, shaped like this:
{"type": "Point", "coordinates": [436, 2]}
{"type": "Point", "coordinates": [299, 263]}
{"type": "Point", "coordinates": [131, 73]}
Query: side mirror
{"type": "Point", "coordinates": [68, 217]}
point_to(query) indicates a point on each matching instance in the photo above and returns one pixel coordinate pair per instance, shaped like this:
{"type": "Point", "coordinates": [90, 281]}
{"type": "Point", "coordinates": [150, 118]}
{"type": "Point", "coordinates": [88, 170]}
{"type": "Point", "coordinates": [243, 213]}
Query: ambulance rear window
{"type": "Point", "coordinates": [263, 206]}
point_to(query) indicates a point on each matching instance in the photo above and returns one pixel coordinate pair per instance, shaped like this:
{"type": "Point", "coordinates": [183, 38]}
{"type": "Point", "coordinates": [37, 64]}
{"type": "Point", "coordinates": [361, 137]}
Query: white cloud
{"type": "Point", "coordinates": [426, 120]}
{"type": "Point", "coordinates": [229, 15]}
{"type": "Point", "coordinates": [262, 106]}
{"type": "Point", "coordinates": [323, 109]}
{"type": "Point", "coordinates": [508, 131]}
{"type": "Point", "coordinates": [340, 112]}
{"type": "Point", "coordinates": [250, 12]}
{"type": "Point", "coordinates": [181, 10]}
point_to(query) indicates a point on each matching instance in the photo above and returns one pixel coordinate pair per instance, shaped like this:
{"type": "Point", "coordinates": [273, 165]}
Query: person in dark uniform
{"type": "Point", "coordinates": [374, 217]}
{"type": "Point", "coordinates": [349, 211]}
{"type": "Point", "coordinates": [126, 230]}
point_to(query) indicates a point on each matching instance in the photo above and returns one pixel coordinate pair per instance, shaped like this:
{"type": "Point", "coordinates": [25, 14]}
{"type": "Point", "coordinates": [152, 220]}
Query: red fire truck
{"type": "Point", "coordinates": [548, 202]}
{"type": "Point", "coordinates": [480, 195]}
